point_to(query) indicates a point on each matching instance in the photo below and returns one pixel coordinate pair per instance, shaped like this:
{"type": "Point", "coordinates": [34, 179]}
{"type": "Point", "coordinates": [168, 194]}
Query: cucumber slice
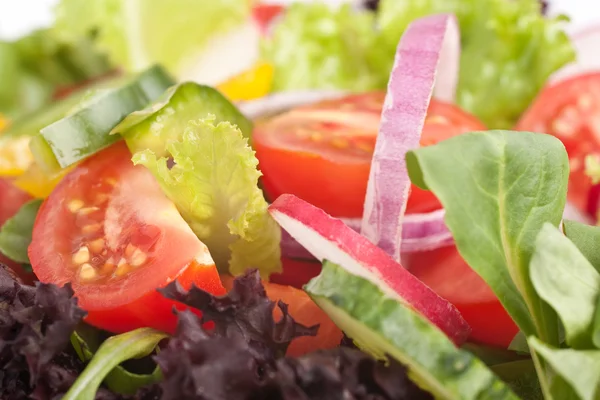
{"type": "Point", "coordinates": [165, 119]}
{"type": "Point", "coordinates": [382, 325]}
{"type": "Point", "coordinates": [86, 129]}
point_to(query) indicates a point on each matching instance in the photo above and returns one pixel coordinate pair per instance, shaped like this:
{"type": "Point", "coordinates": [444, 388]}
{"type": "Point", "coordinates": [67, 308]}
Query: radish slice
{"type": "Point", "coordinates": [404, 111]}
{"type": "Point", "coordinates": [586, 44]}
{"type": "Point", "coordinates": [420, 232]}
{"type": "Point", "coordinates": [331, 239]}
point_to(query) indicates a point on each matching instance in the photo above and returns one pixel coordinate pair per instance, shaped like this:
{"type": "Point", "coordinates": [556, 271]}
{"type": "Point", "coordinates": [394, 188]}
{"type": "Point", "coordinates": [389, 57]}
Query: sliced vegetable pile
{"type": "Point", "coordinates": [431, 258]}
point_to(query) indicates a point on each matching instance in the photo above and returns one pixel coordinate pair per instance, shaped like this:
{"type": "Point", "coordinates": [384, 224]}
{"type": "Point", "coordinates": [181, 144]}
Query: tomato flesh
{"type": "Point", "coordinates": [570, 111]}
{"type": "Point", "coordinates": [304, 311]}
{"type": "Point", "coordinates": [322, 153]}
{"type": "Point", "coordinates": [445, 271]}
{"type": "Point", "coordinates": [109, 230]}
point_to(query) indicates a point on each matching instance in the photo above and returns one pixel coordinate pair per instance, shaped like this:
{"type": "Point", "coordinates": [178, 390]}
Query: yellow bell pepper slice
{"type": "Point", "coordinates": [37, 183]}
{"type": "Point", "coordinates": [15, 156]}
{"type": "Point", "coordinates": [250, 84]}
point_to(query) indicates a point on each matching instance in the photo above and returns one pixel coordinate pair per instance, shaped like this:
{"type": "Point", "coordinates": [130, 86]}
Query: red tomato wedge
{"type": "Point", "coordinates": [445, 271]}
{"type": "Point", "coordinates": [296, 273]}
{"type": "Point", "coordinates": [304, 311]}
{"type": "Point", "coordinates": [570, 111]}
{"type": "Point", "coordinates": [109, 230]}
{"type": "Point", "coordinates": [322, 152]}
{"type": "Point", "coordinates": [11, 200]}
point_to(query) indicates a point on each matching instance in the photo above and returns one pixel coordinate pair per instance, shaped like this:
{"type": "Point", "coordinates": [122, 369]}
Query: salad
{"type": "Point", "coordinates": [347, 219]}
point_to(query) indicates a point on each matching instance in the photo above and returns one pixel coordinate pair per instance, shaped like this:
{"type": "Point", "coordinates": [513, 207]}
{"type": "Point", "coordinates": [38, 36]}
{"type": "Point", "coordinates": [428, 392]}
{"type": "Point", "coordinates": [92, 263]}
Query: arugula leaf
{"type": "Point", "coordinates": [86, 340]}
{"type": "Point", "coordinates": [580, 369]}
{"type": "Point", "coordinates": [116, 349]}
{"type": "Point", "coordinates": [15, 234]}
{"type": "Point", "coordinates": [497, 197]}
{"type": "Point", "coordinates": [213, 183]}
{"type": "Point", "coordinates": [508, 51]}
{"type": "Point", "coordinates": [586, 238]}
{"type": "Point", "coordinates": [567, 281]}
{"type": "Point", "coordinates": [137, 34]}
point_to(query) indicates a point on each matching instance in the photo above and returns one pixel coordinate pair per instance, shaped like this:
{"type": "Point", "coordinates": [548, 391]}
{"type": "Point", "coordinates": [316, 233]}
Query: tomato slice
{"type": "Point", "coordinates": [295, 272]}
{"type": "Point", "coordinates": [445, 271]}
{"type": "Point", "coordinates": [322, 152]}
{"type": "Point", "coordinates": [109, 230]}
{"type": "Point", "coordinates": [304, 311]}
{"type": "Point", "coordinates": [11, 200]}
{"type": "Point", "coordinates": [570, 111]}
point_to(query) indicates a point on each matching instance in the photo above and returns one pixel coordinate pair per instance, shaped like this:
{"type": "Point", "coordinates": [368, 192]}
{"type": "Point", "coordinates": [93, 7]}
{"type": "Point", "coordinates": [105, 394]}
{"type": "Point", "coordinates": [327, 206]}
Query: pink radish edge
{"type": "Point", "coordinates": [330, 238]}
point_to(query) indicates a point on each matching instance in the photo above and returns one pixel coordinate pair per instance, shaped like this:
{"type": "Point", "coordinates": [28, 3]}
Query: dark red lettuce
{"type": "Point", "coordinates": [240, 359]}
{"type": "Point", "coordinates": [198, 365]}
{"type": "Point", "coordinates": [245, 312]}
{"type": "Point", "coordinates": [36, 359]}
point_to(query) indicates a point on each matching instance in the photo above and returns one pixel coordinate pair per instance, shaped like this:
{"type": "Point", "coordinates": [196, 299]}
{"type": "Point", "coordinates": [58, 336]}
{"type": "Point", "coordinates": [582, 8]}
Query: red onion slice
{"type": "Point", "coordinates": [586, 44]}
{"type": "Point", "coordinates": [420, 232]}
{"type": "Point", "coordinates": [404, 111]}
{"type": "Point", "coordinates": [449, 65]}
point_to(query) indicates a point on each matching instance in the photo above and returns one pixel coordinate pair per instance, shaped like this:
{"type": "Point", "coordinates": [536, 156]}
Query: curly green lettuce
{"type": "Point", "coordinates": [139, 33]}
{"type": "Point", "coordinates": [316, 46]}
{"type": "Point", "coordinates": [509, 49]}
{"type": "Point", "coordinates": [213, 181]}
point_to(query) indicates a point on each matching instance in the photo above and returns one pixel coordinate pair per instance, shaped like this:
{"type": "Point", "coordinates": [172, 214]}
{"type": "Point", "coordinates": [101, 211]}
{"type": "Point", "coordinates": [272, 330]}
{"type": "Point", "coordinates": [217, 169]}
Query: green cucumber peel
{"type": "Point", "coordinates": [86, 130]}
{"type": "Point", "coordinates": [384, 326]}
{"type": "Point", "coordinates": [164, 121]}
{"type": "Point", "coordinates": [115, 350]}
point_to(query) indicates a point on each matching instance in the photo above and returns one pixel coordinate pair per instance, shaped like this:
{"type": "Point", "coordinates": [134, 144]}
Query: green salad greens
{"type": "Point", "coordinates": [138, 33]}
{"type": "Point", "coordinates": [214, 184]}
{"type": "Point", "coordinates": [504, 202]}
{"type": "Point", "coordinates": [508, 50]}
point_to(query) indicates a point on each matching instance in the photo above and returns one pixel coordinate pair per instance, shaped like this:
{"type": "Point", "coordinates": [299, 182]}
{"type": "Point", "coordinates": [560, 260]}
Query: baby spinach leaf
{"type": "Point", "coordinates": [115, 350]}
{"type": "Point", "coordinates": [596, 327]}
{"type": "Point", "coordinates": [522, 378]}
{"type": "Point", "coordinates": [580, 369]}
{"type": "Point", "coordinates": [15, 235]}
{"type": "Point", "coordinates": [586, 238]}
{"type": "Point", "coordinates": [498, 189]}
{"type": "Point", "coordinates": [565, 279]}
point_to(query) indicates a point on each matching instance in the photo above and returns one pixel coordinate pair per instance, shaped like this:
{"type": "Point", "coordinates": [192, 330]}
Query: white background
{"type": "Point", "coordinates": [17, 17]}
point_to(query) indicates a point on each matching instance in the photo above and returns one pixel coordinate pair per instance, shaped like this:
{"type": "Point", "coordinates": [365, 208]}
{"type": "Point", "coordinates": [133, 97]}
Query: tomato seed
{"type": "Point", "coordinates": [87, 273]}
{"type": "Point", "coordinates": [92, 228]}
{"type": "Point", "coordinates": [81, 256]}
{"type": "Point", "coordinates": [88, 210]}
{"type": "Point", "coordinates": [97, 245]}
{"type": "Point", "coordinates": [138, 258]}
{"type": "Point", "coordinates": [75, 205]}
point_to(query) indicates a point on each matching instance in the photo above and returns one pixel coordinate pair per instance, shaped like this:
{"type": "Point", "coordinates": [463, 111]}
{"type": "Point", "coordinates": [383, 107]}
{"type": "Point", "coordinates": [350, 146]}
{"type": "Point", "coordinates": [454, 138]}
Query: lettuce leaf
{"type": "Point", "coordinates": [316, 46]}
{"type": "Point", "coordinates": [139, 33]}
{"type": "Point", "coordinates": [509, 49]}
{"type": "Point", "coordinates": [214, 183]}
